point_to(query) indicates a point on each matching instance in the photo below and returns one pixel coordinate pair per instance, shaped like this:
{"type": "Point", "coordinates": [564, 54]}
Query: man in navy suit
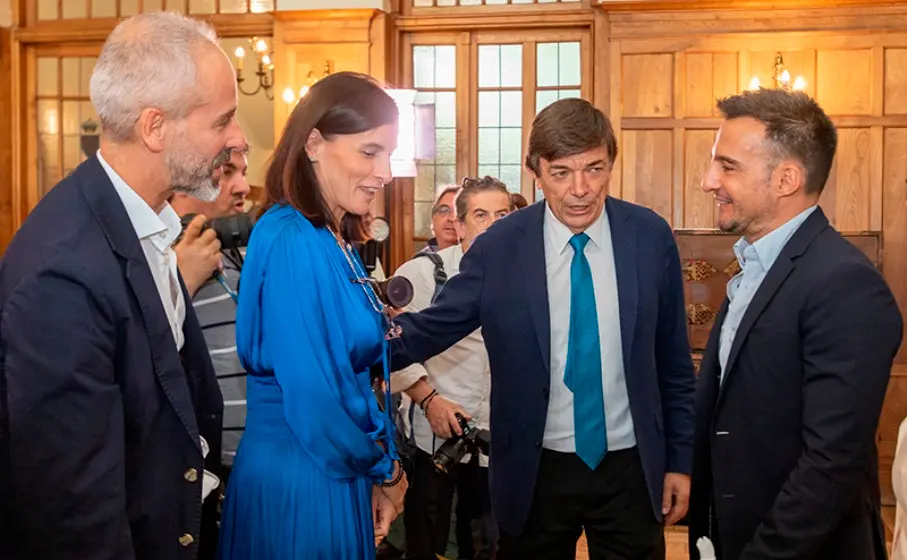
{"type": "Point", "coordinates": [796, 368]}
{"type": "Point", "coordinates": [580, 301]}
{"type": "Point", "coordinates": [107, 393]}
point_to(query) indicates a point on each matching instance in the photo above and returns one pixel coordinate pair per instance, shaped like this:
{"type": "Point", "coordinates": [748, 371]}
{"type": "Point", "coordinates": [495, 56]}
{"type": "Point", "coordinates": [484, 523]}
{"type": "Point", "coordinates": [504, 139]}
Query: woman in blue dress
{"type": "Point", "coordinates": [316, 472]}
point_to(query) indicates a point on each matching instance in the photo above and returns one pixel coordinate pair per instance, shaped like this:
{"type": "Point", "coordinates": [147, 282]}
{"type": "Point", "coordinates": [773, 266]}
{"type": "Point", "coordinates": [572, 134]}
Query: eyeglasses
{"type": "Point", "coordinates": [443, 210]}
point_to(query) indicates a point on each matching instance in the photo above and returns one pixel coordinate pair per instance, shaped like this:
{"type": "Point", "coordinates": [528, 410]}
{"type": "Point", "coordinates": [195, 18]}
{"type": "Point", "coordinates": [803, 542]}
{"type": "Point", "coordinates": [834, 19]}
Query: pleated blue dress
{"type": "Point", "coordinates": [302, 479]}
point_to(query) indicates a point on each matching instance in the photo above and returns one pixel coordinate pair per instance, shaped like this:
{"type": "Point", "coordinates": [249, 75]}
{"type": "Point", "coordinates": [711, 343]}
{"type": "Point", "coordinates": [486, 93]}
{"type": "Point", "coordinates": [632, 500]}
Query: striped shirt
{"type": "Point", "coordinates": [216, 312]}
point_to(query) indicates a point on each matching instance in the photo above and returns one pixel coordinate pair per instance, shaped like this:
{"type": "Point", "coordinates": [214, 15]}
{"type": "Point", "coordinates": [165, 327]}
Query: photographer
{"type": "Point", "coordinates": [456, 381]}
{"type": "Point", "coordinates": [199, 257]}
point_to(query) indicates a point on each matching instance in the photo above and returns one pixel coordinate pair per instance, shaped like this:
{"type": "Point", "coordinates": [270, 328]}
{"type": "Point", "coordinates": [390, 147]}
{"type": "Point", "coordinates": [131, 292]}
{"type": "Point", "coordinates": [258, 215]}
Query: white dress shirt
{"type": "Point", "coordinates": [559, 427]}
{"type": "Point", "coordinates": [157, 232]}
{"type": "Point", "coordinates": [460, 374]}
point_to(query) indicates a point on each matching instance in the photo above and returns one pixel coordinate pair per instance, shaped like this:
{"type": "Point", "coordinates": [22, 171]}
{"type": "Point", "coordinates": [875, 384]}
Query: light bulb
{"type": "Point", "coordinates": [302, 91]}
{"type": "Point", "coordinates": [261, 46]}
{"type": "Point", "coordinates": [754, 83]}
{"type": "Point", "coordinates": [288, 96]}
{"type": "Point", "coordinates": [266, 60]}
{"type": "Point", "coordinates": [785, 77]}
{"type": "Point", "coordinates": [799, 83]}
{"type": "Point", "coordinates": [240, 52]}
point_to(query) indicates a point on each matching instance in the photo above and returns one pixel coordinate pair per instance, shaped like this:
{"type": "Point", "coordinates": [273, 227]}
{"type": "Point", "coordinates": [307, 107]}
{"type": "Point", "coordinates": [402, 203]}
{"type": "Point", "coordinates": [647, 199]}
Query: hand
{"type": "Point", "coordinates": [392, 312]}
{"type": "Point", "coordinates": [675, 500]}
{"type": "Point", "coordinates": [198, 254]}
{"type": "Point", "coordinates": [441, 416]}
{"type": "Point", "coordinates": [383, 514]}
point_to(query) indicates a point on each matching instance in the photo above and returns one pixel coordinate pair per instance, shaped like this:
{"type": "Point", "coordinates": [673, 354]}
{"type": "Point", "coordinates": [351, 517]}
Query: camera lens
{"type": "Point", "coordinates": [399, 291]}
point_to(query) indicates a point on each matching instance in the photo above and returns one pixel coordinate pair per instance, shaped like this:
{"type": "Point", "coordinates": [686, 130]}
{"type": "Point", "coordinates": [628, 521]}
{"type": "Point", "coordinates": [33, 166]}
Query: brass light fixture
{"type": "Point", "coordinates": [289, 96]}
{"type": "Point", "coordinates": [264, 70]}
{"type": "Point", "coordinates": [781, 78]}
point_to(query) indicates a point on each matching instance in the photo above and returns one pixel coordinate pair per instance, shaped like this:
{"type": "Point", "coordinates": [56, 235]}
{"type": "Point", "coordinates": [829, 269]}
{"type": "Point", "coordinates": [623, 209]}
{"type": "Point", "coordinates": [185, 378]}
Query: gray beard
{"type": "Point", "coordinates": [206, 191]}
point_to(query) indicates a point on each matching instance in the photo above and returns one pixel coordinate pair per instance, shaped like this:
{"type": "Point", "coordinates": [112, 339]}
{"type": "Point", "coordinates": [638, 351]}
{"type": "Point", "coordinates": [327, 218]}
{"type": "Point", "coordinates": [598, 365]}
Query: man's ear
{"type": "Point", "coordinates": [315, 145]}
{"type": "Point", "coordinates": [150, 127]}
{"type": "Point", "coordinates": [461, 229]}
{"type": "Point", "coordinates": [791, 178]}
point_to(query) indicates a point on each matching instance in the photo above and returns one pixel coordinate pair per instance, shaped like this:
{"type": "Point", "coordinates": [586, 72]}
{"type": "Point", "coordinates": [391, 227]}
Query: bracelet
{"type": "Point", "coordinates": [425, 410]}
{"type": "Point", "coordinates": [424, 402]}
{"type": "Point", "coordinates": [396, 480]}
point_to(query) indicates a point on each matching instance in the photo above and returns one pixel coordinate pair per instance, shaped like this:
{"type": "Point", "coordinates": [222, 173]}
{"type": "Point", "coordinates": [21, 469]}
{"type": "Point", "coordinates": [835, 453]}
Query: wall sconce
{"type": "Point", "coordinates": [264, 71]}
{"type": "Point", "coordinates": [289, 96]}
{"type": "Point", "coordinates": [781, 78]}
{"type": "Point", "coordinates": [90, 139]}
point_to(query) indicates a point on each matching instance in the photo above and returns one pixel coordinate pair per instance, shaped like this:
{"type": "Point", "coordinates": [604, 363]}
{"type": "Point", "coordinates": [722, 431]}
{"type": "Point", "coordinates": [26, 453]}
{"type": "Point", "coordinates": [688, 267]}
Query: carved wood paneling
{"type": "Point", "coordinates": [647, 161]}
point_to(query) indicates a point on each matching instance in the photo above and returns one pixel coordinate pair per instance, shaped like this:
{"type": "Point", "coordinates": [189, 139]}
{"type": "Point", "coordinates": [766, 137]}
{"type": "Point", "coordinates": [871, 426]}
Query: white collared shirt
{"type": "Point", "coordinates": [460, 374]}
{"type": "Point", "coordinates": [559, 426]}
{"type": "Point", "coordinates": [156, 232]}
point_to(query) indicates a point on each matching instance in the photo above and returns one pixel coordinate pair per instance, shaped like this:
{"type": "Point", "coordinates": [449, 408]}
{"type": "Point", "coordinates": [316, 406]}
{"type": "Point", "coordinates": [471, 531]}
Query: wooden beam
{"type": "Point", "coordinates": [6, 140]}
{"type": "Point", "coordinates": [695, 5]}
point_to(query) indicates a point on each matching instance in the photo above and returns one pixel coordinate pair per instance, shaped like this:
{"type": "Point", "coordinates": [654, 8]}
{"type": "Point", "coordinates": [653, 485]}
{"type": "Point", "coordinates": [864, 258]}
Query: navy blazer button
{"type": "Point", "coordinates": [191, 475]}
{"type": "Point", "coordinates": [186, 539]}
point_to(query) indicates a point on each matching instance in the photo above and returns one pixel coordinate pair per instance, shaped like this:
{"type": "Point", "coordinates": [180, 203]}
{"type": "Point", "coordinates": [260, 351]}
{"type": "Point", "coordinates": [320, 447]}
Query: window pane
{"type": "Point", "coordinates": [539, 195]}
{"type": "Point", "coordinates": [511, 145]}
{"type": "Point", "coordinates": [511, 108]}
{"type": "Point", "coordinates": [544, 98]}
{"type": "Point", "coordinates": [85, 80]}
{"type": "Point", "coordinates": [445, 109]}
{"type": "Point", "coordinates": [490, 170]}
{"type": "Point", "coordinates": [445, 175]}
{"type": "Point", "coordinates": [176, 6]}
{"type": "Point", "coordinates": [152, 6]}
{"type": "Point", "coordinates": [71, 118]}
{"type": "Point", "coordinates": [261, 6]}
{"type": "Point", "coordinates": [445, 66]}
{"type": "Point", "coordinates": [89, 114]}
{"type": "Point", "coordinates": [47, 9]}
{"type": "Point", "coordinates": [425, 183]}
{"type": "Point", "coordinates": [71, 81]}
{"type": "Point", "coordinates": [569, 71]}
{"type": "Point", "coordinates": [72, 154]}
{"type": "Point", "coordinates": [423, 67]}
{"type": "Point", "coordinates": [230, 6]}
{"type": "Point", "coordinates": [48, 77]}
{"type": "Point", "coordinates": [48, 117]}
{"type": "Point", "coordinates": [470, 2]}
{"type": "Point", "coordinates": [129, 7]}
{"type": "Point", "coordinates": [546, 64]}
{"type": "Point", "coordinates": [103, 8]}
{"type": "Point", "coordinates": [445, 2]}
{"type": "Point", "coordinates": [489, 66]}
{"type": "Point", "coordinates": [510, 175]}
{"type": "Point", "coordinates": [423, 3]}
{"type": "Point", "coordinates": [422, 219]}
{"type": "Point", "coordinates": [568, 93]}
{"type": "Point", "coordinates": [202, 6]}
{"type": "Point", "coordinates": [48, 161]}
{"type": "Point", "coordinates": [512, 65]}
{"type": "Point", "coordinates": [489, 108]}
{"type": "Point", "coordinates": [489, 145]}
{"type": "Point", "coordinates": [445, 140]}
{"type": "Point", "coordinates": [75, 9]}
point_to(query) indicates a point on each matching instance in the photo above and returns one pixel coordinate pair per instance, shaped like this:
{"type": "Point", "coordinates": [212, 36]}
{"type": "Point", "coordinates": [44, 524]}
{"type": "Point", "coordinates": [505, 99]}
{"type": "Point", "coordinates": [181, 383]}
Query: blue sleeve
{"type": "Point", "coordinates": [312, 365]}
{"type": "Point", "coordinates": [676, 376]}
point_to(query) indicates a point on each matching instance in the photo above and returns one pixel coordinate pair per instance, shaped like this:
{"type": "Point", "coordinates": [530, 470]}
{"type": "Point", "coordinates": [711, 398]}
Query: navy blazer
{"type": "Point", "coordinates": [100, 415]}
{"type": "Point", "coordinates": [785, 463]}
{"type": "Point", "coordinates": [502, 287]}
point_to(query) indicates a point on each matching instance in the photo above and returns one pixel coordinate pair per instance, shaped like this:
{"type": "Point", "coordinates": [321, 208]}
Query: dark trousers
{"type": "Point", "coordinates": [610, 503]}
{"type": "Point", "coordinates": [427, 510]}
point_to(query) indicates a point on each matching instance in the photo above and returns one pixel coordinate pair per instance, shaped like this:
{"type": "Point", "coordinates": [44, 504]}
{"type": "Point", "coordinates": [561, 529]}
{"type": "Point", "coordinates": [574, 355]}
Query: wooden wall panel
{"type": "Point", "coordinates": [846, 197]}
{"type": "Point", "coordinates": [894, 221]}
{"type": "Point", "coordinates": [896, 81]}
{"type": "Point", "coordinates": [6, 140]}
{"type": "Point", "coordinates": [709, 76]}
{"type": "Point", "coordinates": [647, 169]}
{"type": "Point", "coordinates": [844, 81]}
{"type": "Point", "coordinates": [698, 207]}
{"type": "Point", "coordinates": [648, 81]}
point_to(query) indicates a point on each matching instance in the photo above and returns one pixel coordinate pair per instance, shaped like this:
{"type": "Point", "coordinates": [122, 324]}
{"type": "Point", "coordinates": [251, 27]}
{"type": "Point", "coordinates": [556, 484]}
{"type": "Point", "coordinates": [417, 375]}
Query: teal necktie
{"type": "Point", "coordinates": [583, 373]}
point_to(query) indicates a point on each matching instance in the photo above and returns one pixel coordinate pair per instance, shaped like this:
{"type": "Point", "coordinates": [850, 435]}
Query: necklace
{"type": "Point", "coordinates": [359, 275]}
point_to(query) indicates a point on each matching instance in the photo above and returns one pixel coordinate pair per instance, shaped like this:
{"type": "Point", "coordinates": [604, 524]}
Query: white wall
{"type": "Point", "coordinates": [284, 5]}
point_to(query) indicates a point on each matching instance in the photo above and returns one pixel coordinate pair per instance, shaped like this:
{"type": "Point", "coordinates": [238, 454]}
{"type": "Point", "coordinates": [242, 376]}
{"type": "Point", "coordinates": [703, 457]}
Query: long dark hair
{"type": "Point", "coordinates": [339, 104]}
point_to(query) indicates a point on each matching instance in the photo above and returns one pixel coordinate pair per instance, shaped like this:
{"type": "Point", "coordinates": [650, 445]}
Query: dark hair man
{"type": "Point", "coordinates": [580, 301]}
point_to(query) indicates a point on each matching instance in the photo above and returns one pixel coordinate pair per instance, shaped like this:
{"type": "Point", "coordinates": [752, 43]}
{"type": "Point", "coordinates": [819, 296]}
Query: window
{"type": "Point", "coordinates": [486, 89]}
{"type": "Point", "coordinates": [456, 3]}
{"type": "Point", "coordinates": [434, 76]}
{"type": "Point", "coordinates": [64, 115]}
{"type": "Point", "coordinates": [81, 9]}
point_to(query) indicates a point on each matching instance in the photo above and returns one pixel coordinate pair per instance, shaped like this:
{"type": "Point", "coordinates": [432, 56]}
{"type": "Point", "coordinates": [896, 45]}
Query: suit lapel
{"type": "Point", "coordinates": [772, 282]}
{"type": "Point", "coordinates": [111, 215]}
{"type": "Point", "coordinates": [624, 243]}
{"type": "Point", "coordinates": [532, 257]}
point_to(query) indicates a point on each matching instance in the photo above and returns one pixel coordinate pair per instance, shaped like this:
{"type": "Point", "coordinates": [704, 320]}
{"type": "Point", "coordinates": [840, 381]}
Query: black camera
{"type": "Point", "coordinates": [451, 451]}
{"type": "Point", "coordinates": [232, 231]}
{"type": "Point", "coordinates": [396, 291]}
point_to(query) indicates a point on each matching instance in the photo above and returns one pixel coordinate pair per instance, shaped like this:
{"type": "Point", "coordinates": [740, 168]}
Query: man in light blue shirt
{"type": "Point", "coordinates": [793, 378]}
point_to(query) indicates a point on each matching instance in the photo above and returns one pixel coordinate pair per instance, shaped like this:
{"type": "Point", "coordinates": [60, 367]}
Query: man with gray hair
{"type": "Point", "coordinates": [110, 413]}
